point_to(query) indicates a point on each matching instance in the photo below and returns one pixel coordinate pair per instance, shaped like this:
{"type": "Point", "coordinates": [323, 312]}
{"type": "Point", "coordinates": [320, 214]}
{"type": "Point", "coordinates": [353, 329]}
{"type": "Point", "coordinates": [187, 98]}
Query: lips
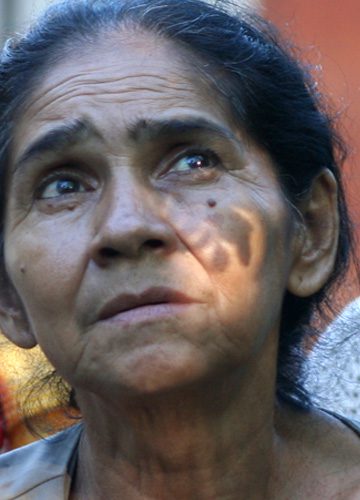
{"type": "Point", "coordinates": [152, 296]}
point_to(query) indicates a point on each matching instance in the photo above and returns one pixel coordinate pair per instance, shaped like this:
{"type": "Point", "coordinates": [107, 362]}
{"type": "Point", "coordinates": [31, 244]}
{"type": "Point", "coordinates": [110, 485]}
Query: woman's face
{"type": "Point", "coordinates": [147, 239]}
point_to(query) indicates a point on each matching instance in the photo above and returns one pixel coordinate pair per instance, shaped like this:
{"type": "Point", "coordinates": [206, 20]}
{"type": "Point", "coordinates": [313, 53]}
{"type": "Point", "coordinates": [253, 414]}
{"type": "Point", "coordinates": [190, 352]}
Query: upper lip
{"type": "Point", "coordinates": [155, 295]}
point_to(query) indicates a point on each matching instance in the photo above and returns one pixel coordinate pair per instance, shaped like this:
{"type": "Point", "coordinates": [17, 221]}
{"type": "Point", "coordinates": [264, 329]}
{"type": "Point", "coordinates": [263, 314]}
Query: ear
{"type": "Point", "coordinates": [317, 239]}
{"type": "Point", "coordinates": [13, 320]}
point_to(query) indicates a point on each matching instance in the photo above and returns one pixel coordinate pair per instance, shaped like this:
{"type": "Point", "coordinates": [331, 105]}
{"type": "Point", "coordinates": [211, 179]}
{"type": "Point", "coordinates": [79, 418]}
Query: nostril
{"type": "Point", "coordinates": [153, 243]}
{"type": "Point", "coordinates": [109, 252]}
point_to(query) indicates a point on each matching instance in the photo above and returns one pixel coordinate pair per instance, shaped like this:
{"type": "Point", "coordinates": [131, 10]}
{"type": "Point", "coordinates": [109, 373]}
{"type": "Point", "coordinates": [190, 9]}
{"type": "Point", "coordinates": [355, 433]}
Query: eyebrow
{"type": "Point", "coordinates": [72, 133]}
{"type": "Point", "coordinates": [147, 130]}
{"type": "Point", "coordinates": [59, 139]}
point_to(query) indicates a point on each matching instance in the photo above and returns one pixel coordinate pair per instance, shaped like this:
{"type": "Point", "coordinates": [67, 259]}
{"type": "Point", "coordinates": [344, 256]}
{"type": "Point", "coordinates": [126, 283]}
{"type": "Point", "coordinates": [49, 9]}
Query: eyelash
{"type": "Point", "coordinates": [208, 154]}
{"type": "Point", "coordinates": [58, 175]}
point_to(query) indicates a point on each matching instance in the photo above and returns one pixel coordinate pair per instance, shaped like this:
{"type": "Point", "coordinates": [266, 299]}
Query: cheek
{"type": "Point", "coordinates": [234, 236]}
{"type": "Point", "coordinates": [212, 233]}
{"type": "Point", "coordinates": [251, 287]}
{"type": "Point", "coordinates": [45, 267]}
{"type": "Point", "coordinates": [248, 253]}
{"type": "Point", "coordinates": [267, 248]}
{"type": "Point", "coordinates": [248, 239]}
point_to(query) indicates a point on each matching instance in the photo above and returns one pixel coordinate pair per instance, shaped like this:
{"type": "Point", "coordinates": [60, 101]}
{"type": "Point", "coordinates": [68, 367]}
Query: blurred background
{"type": "Point", "coordinates": [328, 34]}
{"type": "Point", "coordinates": [15, 14]}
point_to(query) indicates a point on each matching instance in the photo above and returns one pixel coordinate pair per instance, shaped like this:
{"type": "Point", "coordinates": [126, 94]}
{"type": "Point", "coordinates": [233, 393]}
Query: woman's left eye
{"type": "Point", "coordinates": [61, 187]}
{"type": "Point", "coordinates": [197, 161]}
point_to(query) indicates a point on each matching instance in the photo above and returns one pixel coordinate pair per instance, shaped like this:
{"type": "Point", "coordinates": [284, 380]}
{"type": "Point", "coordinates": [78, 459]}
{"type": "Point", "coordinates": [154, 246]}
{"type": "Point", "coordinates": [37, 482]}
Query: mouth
{"type": "Point", "coordinates": [154, 300]}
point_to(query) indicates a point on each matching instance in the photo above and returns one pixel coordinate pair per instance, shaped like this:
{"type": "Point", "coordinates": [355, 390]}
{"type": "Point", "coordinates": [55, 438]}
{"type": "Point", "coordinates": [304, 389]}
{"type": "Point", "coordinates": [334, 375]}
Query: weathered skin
{"type": "Point", "coordinates": [177, 398]}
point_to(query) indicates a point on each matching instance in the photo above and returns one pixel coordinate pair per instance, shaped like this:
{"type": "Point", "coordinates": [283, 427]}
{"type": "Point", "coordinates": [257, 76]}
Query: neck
{"type": "Point", "coordinates": [216, 440]}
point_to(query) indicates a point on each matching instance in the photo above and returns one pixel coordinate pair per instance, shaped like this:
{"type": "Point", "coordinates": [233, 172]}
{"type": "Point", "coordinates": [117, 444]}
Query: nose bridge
{"type": "Point", "coordinates": [130, 216]}
{"type": "Point", "coordinates": [127, 199]}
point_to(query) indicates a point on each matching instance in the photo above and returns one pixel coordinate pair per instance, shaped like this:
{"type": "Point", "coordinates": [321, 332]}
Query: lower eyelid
{"type": "Point", "coordinates": [206, 153]}
{"type": "Point", "coordinates": [87, 186]}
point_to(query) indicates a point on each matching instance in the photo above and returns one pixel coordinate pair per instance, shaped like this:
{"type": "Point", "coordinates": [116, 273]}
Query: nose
{"type": "Point", "coordinates": [131, 221]}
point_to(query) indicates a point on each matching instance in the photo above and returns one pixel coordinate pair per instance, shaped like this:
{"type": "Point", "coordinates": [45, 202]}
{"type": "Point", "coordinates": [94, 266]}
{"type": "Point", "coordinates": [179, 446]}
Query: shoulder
{"type": "Point", "coordinates": [45, 462]}
{"type": "Point", "coordinates": [340, 445]}
{"type": "Point", "coordinates": [350, 423]}
{"type": "Point", "coordinates": [323, 453]}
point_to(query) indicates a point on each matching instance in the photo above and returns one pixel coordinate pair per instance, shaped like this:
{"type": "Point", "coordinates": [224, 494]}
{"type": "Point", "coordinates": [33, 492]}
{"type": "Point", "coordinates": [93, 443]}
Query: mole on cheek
{"type": "Point", "coordinates": [22, 269]}
{"type": "Point", "coordinates": [211, 202]}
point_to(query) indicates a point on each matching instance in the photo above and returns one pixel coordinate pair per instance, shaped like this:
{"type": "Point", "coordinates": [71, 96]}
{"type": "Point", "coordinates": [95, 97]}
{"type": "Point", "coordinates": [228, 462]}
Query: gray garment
{"type": "Point", "coordinates": [44, 470]}
{"type": "Point", "coordinates": [333, 366]}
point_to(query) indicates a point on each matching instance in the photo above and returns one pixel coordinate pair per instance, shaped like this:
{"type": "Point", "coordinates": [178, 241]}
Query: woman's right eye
{"type": "Point", "coordinates": [62, 186]}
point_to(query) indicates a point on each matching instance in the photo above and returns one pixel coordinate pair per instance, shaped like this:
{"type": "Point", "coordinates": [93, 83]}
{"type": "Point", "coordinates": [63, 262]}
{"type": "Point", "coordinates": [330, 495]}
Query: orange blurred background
{"type": "Point", "coordinates": [328, 31]}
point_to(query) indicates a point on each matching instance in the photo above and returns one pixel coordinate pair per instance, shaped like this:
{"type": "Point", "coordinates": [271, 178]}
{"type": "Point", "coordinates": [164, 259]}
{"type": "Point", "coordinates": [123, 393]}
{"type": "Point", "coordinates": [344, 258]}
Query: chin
{"type": "Point", "coordinates": [158, 370]}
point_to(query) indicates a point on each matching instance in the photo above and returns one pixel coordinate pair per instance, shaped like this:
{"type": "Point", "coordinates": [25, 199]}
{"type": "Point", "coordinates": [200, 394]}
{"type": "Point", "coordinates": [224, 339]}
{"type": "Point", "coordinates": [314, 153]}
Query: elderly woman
{"type": "Point", "coordinates": [172, 217]}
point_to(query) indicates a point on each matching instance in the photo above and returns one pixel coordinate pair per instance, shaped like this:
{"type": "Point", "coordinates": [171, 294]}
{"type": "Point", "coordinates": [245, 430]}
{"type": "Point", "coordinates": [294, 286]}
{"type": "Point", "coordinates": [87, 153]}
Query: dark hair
{"type": "Point", "coordinates": [271, 96]}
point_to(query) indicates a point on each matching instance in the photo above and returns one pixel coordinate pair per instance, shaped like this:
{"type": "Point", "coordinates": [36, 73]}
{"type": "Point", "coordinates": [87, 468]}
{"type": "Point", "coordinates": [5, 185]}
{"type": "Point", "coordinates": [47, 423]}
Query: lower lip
{"type": "Point", "coordinates": [148, 313]}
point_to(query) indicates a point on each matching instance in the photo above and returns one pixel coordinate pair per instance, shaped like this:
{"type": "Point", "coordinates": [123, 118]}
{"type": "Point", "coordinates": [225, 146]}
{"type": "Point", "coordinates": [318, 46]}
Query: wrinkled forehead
{"type": "Point", "coordinates": [136, 71]}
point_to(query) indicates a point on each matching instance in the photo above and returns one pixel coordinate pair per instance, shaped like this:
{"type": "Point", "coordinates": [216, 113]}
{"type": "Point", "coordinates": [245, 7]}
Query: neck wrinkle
{"type": "Point", "coordinates": [213, 442]}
